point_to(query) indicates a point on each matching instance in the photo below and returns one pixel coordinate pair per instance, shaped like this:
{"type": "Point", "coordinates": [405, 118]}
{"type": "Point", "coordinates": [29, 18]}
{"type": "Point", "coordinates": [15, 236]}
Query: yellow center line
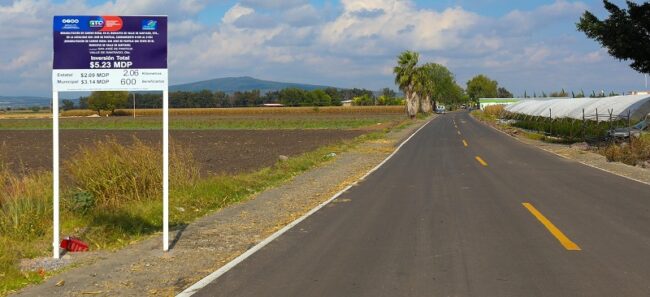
{"type": "Point", "coordinates": [465, 143]}
{"type": "Point", "coordinates": [481, 161]}
{"type": "Point", "coordinates": [458, 132]}
{"type": "Point", "coordinates": [565, 241]}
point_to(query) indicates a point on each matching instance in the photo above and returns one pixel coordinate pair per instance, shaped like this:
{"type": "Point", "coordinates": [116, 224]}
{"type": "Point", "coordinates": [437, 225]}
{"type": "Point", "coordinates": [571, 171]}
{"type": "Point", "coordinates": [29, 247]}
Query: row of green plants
{"type": "Point", "coordinates": [635, 152]}
{"type": "Point", "coordinates": [569, 129]}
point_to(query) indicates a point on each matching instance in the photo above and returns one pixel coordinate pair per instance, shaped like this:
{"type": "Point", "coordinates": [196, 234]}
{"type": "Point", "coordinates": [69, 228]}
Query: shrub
{"type": "Point", "coordinates": [25, 204]}
{"type": "Point", "coordinates": [635, 153]}
{"type": "Point", "coordinates": [81, 202]}
{"type": "Point", "coordinates": [115, 175]}
{"type": "Point", "coordinates": [122, 112]}
{"type": "Point", "coordinates": [494, 110]}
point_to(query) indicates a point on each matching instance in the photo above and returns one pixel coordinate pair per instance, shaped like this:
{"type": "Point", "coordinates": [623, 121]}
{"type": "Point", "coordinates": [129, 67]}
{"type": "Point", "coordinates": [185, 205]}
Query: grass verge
{"type": "Point", "coordinates": [109, 200]}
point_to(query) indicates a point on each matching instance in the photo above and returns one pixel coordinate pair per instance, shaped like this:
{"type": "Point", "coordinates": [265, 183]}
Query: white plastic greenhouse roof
{"type": "Point", "coordinates": [637, 105]}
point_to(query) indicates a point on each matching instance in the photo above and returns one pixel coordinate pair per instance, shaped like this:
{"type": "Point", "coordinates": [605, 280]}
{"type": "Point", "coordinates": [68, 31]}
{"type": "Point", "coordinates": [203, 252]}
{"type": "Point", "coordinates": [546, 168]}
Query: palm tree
{"type": "Point", "coordinates": [424, 87]}
{"type": "Point", "coordinates": [406, 78]}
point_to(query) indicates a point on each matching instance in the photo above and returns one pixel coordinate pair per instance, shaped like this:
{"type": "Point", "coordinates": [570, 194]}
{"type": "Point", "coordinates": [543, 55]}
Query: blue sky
{"type": "Point", "coordinates": [525, 45]}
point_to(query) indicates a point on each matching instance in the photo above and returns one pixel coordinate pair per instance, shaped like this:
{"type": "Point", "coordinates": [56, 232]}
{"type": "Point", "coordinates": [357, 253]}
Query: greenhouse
{"type": "Point", "coordinates": [630, 107]}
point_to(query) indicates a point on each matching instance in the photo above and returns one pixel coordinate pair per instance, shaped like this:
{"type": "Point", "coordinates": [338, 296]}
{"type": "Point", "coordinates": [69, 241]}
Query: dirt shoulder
{"type": "Point", "coordinates": [212, 241]}
{"type": "Point", "coordinates": [577, 153]}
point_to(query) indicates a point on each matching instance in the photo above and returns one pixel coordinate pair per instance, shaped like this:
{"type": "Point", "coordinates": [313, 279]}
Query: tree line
{"type": "Point", "coordinates": [113, 100]}
{"type": "Point", "coordinates": [431, 84]}
{"type": "Point", "coordinates": [572, 94]}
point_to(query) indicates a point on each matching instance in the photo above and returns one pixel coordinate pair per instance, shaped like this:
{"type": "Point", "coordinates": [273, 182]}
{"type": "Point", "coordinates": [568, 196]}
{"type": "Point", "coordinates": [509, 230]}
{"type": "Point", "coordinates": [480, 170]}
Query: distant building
{"type": "Point", "coordinates": [640, 93]}
{"type": "Point", "coordinates": [346, 102]}
{"type": "Point", "coordinates": [483, 102]}
{"type": "Point", "coordinates": [272, 105]}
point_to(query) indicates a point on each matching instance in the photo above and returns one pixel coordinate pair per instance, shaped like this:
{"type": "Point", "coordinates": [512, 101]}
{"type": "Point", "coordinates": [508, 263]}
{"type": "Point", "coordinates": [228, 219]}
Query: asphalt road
{"type": "Point", "coordinates": [435, 220]}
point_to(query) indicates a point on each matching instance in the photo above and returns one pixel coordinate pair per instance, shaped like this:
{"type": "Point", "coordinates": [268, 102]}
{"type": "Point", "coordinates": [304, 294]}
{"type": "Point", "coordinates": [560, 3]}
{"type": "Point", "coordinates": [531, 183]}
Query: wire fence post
{"type": "Point", "coordinates": [629, 128]}
{"type": "Point", "coordinates": [134, 105]}
{"type": "Point", "coordinates": [610, 118]}
{"type": "Point", "coordinates": [584, 137]}
{"type": "Point", "coordinates": [550, 118]}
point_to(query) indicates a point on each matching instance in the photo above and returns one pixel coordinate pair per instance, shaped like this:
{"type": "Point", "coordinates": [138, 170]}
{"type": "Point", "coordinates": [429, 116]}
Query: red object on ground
{"type": "Point", "coordinates": [73, 244]}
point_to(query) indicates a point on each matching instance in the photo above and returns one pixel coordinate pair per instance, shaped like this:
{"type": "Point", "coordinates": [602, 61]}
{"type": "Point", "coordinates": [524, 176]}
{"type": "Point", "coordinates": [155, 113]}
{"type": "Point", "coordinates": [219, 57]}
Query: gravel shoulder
{"type": "Point", "coordinates": [200, 248]}
{"type": "Point", "coordinates": [579, 154]}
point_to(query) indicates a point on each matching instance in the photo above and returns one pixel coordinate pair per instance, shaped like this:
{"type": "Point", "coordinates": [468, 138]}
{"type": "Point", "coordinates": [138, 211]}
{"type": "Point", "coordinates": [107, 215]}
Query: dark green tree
{"type": "Point", "coordinates": [625, 32]}
{"type": "Point", "coordinates": [318, 98]}
{"type": "Point", "coordinates": [83, 102]}
{"type": "Point", "coordinates": [481, 86]}
{"type": "Point", "coordinates": [503, 93]}
{"type": "Point", "coordinates": [68, 104]}
{"type": "Point", "coordinates": [107, 100]}
{"type": "Point", "coordinates": [562, 93]}
{"type": "Point", "coordinates": [388, 93]}
{"type": "Point", "coordinates": [335, 95]}
{"type": "Point", "coordinates": [363, 100]}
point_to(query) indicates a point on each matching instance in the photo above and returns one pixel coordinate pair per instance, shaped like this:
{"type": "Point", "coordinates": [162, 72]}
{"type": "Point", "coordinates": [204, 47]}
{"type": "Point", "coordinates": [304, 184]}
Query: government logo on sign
{"type": "Point", "coordinates": [96, 23]}
{"type": "Point", "coordinates": [149, 25]}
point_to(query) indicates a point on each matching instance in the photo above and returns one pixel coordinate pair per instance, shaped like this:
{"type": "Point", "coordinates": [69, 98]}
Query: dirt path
{"type": "Point", "coordinates": [211, 242]}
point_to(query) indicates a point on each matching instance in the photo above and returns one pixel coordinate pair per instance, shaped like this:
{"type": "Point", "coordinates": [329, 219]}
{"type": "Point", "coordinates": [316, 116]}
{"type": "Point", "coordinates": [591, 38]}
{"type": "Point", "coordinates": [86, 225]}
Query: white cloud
{"type": "Point", "coordinates": [273, 4]}
{"type": "Point", "coordinates": [236, 12]}
{"type": "Point", "coordinates": [302, 16]}
{"type": "Point", "coordinates": [523, 22]}
{"type": "Point", "coordinates": [352, 45]}
{"type": "Point", "coordinates": [25, 60]}
{"type": "Point", "coordinates": [375, 27]}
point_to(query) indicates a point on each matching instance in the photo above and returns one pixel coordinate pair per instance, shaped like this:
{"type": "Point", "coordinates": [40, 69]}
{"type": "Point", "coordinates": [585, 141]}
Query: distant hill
{"type": "Point", "coordinates": [226, 84]}
{"type": "Point", "coordinates": [23, 101]}
{"type": "Point", "coordinates": [240, 84]}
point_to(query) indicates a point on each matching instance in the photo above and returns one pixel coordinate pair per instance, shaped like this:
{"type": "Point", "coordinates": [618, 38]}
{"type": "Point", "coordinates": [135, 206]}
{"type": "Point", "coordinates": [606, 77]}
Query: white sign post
{"type": "Point", "coordinates": [109, 53]}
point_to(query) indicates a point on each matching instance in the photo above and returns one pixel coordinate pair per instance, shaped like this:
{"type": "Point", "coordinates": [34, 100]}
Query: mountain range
{"type": "Point", "coordinates": [240, 84]}
{"type": "Point", "coordinates": [23, 101]}
{"type": "Point", "coordinates": [225, 84]}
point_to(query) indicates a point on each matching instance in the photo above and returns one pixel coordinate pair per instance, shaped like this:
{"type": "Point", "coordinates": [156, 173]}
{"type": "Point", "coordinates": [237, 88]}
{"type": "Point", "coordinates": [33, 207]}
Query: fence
{"type": "Point", "coordinates": [596, 126]}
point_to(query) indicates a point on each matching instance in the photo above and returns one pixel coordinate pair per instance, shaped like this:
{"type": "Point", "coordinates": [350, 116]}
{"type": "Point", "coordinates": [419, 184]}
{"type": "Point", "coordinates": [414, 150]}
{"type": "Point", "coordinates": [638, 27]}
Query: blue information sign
{"type": "Point", "coordinates": [94, 53]}
{"type": "Point", "coordinates": [109, 53]}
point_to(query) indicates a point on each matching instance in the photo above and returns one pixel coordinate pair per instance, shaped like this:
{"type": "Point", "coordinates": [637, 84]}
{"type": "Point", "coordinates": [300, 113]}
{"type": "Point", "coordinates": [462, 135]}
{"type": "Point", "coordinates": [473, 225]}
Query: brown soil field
{"type": "Point", "coordinates": [217, 151]}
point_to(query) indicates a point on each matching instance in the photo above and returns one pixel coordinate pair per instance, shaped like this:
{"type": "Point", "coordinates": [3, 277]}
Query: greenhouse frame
{"type": "Point", "coordinates": [630, 107]}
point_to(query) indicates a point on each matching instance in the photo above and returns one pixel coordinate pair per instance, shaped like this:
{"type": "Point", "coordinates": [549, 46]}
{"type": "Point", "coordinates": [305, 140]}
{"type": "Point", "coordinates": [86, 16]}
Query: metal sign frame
{"type": "Point", "coordinates": [109, 53]}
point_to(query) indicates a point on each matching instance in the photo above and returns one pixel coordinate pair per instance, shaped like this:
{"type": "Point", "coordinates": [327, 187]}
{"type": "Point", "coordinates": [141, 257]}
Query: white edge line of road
{"type": "Point", "coordinates": [561, 156]}
{"type": "Point", "coordinates": [219, 272]}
